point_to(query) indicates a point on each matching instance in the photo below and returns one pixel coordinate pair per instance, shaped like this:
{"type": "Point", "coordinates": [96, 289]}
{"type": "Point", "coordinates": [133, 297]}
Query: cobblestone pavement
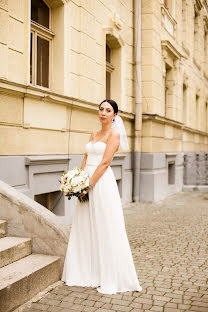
{"type": "Point", "coordinates": [169, 244]}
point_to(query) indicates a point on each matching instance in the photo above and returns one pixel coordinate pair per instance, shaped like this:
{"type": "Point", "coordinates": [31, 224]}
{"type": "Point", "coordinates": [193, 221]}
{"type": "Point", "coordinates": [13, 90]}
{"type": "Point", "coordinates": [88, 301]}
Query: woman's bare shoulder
{"type": "Point", "coordinates": [115, 133]}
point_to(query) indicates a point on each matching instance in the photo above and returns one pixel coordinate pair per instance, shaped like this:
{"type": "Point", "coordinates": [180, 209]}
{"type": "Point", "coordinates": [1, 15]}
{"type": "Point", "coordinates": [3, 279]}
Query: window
{"type": "Point", "coordinates": [184, 103]}
{"type": "Point", "coordinates": [48, 200]}
{"type": "Point", "coordinates": [206, 47]}
{"type": "Point", "coordinates": [184, 22]}
{"type": "Point", "coordinates": [171, 172]}
{"type": "Point", "coordinates": [40, 44]}
{"type": "Point", "coordinates": [168, 89]}
{"type": "Point", "coordinates": [170, 6]}
{"type": "Point", "coordinates": [109, 70]}
{"type": "Point", "coordinates": [196, 33]}
{"type": "Point", "coordinates": [197, 112]}
{"type": "Point", "coordinates": [197, 9]}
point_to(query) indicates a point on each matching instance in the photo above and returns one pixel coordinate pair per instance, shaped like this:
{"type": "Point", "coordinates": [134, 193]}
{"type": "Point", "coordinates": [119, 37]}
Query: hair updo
{"type": "Point", "coordinates": [113, 104]}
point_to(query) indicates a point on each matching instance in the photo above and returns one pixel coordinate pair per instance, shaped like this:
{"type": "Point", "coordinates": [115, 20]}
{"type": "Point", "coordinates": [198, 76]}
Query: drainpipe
{"type": "Point", "coordinates": [138, 99]}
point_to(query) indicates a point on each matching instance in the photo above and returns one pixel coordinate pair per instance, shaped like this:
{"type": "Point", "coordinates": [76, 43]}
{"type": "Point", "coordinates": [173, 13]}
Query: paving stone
{"type": "Point", "coordinates": [70, 299]}
{"type": "Point", "coordinates": [171, 305]}
{"type": "Point", "coordinates": [135, 305]}
{"type": "Point", "coordinates": [198, 309]}
{"type": "Point", "coordinates": [156, 308]}
{"type": "Point", "coordinates": [105, 299]}
{"type": "Point", "coordinates": [162, 298]}
{"type": "Point", "coordinates": [146, 306]}
{"type": "Point", "coordinates": [143, 300]}
{"type": "Point", "coordinates": [121, 308]}
{"type": "Point", "coordinates": [89, 309]}
{"type": "Point", "coordinates": [184, 306]}
{"type": "Point", "coordinates": [49, 301]}
{"type": "Point", "coordinates": [159, 303]}
{"type": "Point", "coordinates": [98, 304]}
{"type": "Point", "coordinates": [121, 302]}
{"type": "Point", "coordinates": [39, 306]}
{"type": "Point", "coordinates": [200, 303]}
{"type": "Point", "coordinates": [65, 304]}
{"type": "Point", "coordinates": [88, 302]}
{"type": "Point", "coordinates": [168, 243]}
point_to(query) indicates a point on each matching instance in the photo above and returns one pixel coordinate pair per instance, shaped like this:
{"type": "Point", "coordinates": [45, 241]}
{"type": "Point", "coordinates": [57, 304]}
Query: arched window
{"type": "Point", "coordinates": [40, 44]}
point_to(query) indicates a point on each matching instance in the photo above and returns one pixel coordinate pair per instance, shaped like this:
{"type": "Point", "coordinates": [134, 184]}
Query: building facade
{"type": "Point", "coordinates": [175, 97]}
{"type": "Point", "coordinates": [58, 60]}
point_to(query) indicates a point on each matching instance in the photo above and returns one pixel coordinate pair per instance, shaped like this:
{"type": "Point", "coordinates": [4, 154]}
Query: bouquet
{"type": "Point", "coordinates": [75, 183]}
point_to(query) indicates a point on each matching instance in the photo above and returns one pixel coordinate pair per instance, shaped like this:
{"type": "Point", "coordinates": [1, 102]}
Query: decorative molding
{"type": "Point", "coordinates": [162, 119]}
{"type": "Point", "coordinates": [185, 79]}
{"type": "Point", "coordinates": [186, 50]}
{"type": "Point", "coordinates": [205, 25]}
{"type": "Point", "coordinates": [46, 160]}
{"type": "Point", "coordinates": [205, 75]}
{"type": "Point", "coordinates": [12, 88]}
{"type": "Point", "coordinates": [56, 3]}
{"type": "Point", "coordinates": [117, 21]}
{"type": "Point", "coordinates": [114, 38]}
{"type": "Point", "coordinates": [197, 7]}
{"type": "Point", "coordinates": [206, 5]}
{"type": "Point", "coordinates": [168, 22]}
{"type": "Point", "coordinates": [169, 48]}
{"type": "Point", "coordinates": [196, 63]}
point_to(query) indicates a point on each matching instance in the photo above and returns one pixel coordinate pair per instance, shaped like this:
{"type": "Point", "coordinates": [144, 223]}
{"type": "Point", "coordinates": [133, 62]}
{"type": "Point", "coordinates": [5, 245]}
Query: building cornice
{"type": "Point", "coordinates": [161, 119]}
{"type": "Point", "coordinates": [164, 120]}
{"type": "Point", "coordinates": [29, 91]}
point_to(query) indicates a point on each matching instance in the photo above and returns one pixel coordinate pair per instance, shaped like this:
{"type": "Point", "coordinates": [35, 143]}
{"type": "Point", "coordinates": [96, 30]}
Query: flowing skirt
{"type": "Point", "coordinates": [98, 253]}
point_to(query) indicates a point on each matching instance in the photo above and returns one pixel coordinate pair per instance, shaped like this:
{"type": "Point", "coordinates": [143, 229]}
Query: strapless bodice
{"type": "Point", "coordinates": [95, 152]}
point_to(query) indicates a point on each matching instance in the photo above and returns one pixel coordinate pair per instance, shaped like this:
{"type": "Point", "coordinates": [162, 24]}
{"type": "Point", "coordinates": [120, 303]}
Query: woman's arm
{"type": "Point", "coordinates": [111, 148]}
{"type": "Point", "coordinates": [84, 161]}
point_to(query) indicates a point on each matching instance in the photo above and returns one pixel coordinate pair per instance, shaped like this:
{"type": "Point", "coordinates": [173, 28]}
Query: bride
{"type": "Point", "coordinates": [98, 253]}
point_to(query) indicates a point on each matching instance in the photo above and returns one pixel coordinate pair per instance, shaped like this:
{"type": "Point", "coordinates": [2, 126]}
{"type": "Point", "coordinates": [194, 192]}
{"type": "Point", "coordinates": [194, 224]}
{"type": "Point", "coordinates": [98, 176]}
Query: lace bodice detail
{"type": "Point", "coordinates": [95, 152]}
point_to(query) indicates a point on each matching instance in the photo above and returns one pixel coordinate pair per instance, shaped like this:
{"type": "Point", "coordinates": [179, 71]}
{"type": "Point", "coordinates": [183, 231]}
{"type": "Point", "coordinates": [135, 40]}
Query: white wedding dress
{"type": "Point", "coordinates": [98, 253]}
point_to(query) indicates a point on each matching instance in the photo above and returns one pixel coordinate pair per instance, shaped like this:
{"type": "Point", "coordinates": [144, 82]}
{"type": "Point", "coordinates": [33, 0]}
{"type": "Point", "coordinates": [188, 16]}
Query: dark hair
{"type": "Point", "coordinates": [112, 103]}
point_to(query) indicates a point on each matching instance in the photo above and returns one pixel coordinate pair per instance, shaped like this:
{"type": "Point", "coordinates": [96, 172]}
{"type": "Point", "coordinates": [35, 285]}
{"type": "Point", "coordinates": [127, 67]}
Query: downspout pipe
{"type": "Point", "coordinates": [138, 100]}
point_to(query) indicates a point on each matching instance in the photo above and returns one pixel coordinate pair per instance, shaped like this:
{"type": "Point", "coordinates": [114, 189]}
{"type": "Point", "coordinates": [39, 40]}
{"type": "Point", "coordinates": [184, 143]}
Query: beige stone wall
{"type": "Point", "coordinates": [59, 119]}
{"type": "Point", "coordinates": [14, 35]}
{"type": "Point", "coordinates": [168, 43]}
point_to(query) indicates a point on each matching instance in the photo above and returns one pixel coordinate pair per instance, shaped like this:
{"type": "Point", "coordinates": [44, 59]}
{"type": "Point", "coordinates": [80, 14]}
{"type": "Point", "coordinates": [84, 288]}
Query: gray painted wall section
{"type": "Point", "coordinates": [33, 175]}
{"type": "Point", "coordinates": [154, 175]}
{"type": "Point", "coordinates": [196, 168]}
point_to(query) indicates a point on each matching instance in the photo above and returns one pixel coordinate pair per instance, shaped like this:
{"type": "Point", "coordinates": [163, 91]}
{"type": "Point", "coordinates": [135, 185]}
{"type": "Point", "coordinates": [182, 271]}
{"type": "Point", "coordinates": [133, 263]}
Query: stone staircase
{"type": "Point", "coordinates": [22, 273]}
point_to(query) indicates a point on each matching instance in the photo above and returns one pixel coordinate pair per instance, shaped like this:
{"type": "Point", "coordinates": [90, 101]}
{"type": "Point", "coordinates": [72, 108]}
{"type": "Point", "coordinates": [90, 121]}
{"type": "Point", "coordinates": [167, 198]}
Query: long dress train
{"type": "Point", "coordinates": [98, 253]}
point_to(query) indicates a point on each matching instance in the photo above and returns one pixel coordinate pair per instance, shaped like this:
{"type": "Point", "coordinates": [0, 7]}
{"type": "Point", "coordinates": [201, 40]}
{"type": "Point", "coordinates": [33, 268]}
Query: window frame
{"type": "Point", "coordinates": [38, 30]}
{"type": "Point", "coordinates": [109, 69]}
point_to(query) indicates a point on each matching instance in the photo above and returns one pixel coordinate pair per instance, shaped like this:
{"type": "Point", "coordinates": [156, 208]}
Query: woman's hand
{"type": "Point", "coordinates": [86, 190]}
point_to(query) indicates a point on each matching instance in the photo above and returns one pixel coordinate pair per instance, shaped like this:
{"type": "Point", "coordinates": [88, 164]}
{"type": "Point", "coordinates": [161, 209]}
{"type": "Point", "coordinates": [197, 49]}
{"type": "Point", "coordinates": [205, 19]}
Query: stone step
{"type": "Point", "coordinates": [23, 279]}
{"type": "Point", "coordinates": [13, 249]}
{"type": "Point", "coordinates": [3, 227]}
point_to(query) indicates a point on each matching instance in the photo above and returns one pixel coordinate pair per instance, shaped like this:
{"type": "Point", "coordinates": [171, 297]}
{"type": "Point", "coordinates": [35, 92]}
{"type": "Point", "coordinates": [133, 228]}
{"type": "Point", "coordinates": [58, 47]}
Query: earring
{"type": "Point", "coordinates": [113, 119]}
